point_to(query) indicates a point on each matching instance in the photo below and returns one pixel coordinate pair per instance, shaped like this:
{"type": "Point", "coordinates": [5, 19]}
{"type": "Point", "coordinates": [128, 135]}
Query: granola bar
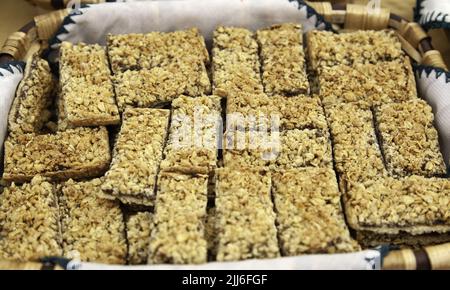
{"type": "Point", "coordinates": [376, 84]}
{"type": "Point", "coordinates": [415, 205]}
{"type": "Point", "coordinates": [194, 132]}
{"type": "Point", "coordinates": [75, 153]}
{"type": "Point", "coordinates": [161, 85]}
{"type": "Point", "coordinates": [245, 217]}
{"type": "Point", "coordinates": [297, 112]}
{"type": "Point", "coordinates": [29, 221]}
{"type": "Point", "coordinates": [86, 87]}
{"type": "Point", "coordinates": [180, 213]}
{"type": "Point", "coordinates": [235, 64]}
{"type": "Point", "coordinates": [283, 59]}
{"type": "Point", "coordinates": [295, 149]}
{"type": "Point", "coordinates": [409, 140]}
{"type": "Point", "coordinates": [309, 214]}
{"type": "Point", "coordinates": [30, 109]}
{"type": "Point", "coordinates": [93, 228]}
{"type": "Point", "coordinates": [139, 229]}
{"type": "Point", "coordinates": [137, 156]}
{"type": "Point", "coordinates": [356, 152]}
{"type": "Point", "coordinates": [155, 49]}
{"type": "Point", "coordinates": [327, 49]}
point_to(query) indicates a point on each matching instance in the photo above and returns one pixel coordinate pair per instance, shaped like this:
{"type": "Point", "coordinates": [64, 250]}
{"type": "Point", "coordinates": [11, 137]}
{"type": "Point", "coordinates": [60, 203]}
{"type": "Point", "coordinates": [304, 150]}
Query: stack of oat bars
{"type": "Point", "coordinates": [155, 151]}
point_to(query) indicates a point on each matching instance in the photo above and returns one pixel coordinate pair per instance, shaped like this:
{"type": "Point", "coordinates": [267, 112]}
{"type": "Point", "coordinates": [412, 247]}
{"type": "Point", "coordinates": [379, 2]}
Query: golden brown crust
{"type": "Point", "coordinates": [179, 231]}
{"type": "Point", "coordinates": [235, 65]}
{"type": "Point", "coordinates": [93, 228]}
{"type": "Point", "coordinates": [409, 140]}
{"type": "Point", "coordinates": [161, 85]}
{"type": "Point", "coordinates": [309, 215]}
{"type": "Point", "coordinates": [327, 49]}
{"type": "Point", "coordinates": [30, 109]}
{"type": "Point", "coordinates": [155, 49]}
{"type": "Point", "coordinates": [86, 86]}
{"type": "Point", "coordinates": [75, 153]}
{"type": "Point", "coordinates": [415, 204]}
{"type": "Point", "coordinates": [29, 221]}
{"type": "Point", "coordinates": [137, 156]}
{"type": "Point", "coordinates": [193, 141]}
{"type": "Point", "coordinates": [283, 59]}
{"type": "Point", "coordinates": [245, 217]}
{"type": "Point", "coordinates": [139, 228]}
{"type": "Point", "coordinates": [376, 84]}
{"type": "Point", "coordinates": [295, 149]}
{"type": "Point", "coordinates": [356, 152]}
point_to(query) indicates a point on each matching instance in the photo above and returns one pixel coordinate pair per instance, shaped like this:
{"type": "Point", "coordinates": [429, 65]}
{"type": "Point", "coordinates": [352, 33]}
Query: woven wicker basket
{"type": "Point", "coordinates": [35, 35]}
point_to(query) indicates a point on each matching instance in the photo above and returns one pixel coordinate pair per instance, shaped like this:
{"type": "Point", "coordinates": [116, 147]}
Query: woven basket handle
{"type": "Point", "coordinates": [433, 257]}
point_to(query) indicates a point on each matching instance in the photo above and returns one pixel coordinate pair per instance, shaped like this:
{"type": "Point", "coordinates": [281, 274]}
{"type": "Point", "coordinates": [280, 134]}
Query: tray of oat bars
{"type": "Point", "coordinates": [266, 137]}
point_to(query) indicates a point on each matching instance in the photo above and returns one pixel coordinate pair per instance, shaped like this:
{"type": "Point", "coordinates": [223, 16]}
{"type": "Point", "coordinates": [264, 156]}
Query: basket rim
{"type": "Point", "coordinates": [425, 44]}
{"type": "Point", "coordinates": [394, 258]}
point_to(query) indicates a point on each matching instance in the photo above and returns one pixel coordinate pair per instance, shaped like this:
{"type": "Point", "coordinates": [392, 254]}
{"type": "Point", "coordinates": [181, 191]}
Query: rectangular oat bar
{"type": "Point", "coordinates": [310, 219]}
{"type": "Point", "coordinates": [283, 59]}
{"type": "Point", "coordinates": [245, 218]}
{"type": "Point", "coordinates": [415, 205]}
{"type": "Point", "coordinates": [328, 49]}
{"type": "Point", "coordinates": [137, 156]}
{"type": "Point", "coordinates": [30, 109]}
{"type": "Point", "coordinates": [294, 149]}
{"type": "Point", "coordinates": [86, 87]}
{"type": "Point", "coordinates": [296, 112]}
{"type": "Point", "coordinates": [194, 135]}
{"type": "Point", "coordinates": [155, 49]}
{"type": "Point", "coordinates": [235, 64]}
{"type": "Point", "coordinates": [93, 228]}
{"type": "Point", "coordinates": [356, 151]}
{"type": "Point", "coordinates": [139, 229]}
{"type": "Point", "coordinates": [75, 153]}
{"type": "Point", "coordinates": [161, 85]}
{"type": "Point", "coordinates": [375, 84]}
{"type": "Point", "coordinates": [179, 221]}
{"type": "Point", "coordinates": [29, 221]}
{"type": "Point", "coordinates": [409, 140]}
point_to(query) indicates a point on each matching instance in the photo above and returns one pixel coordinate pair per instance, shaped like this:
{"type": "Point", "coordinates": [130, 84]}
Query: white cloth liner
{"type": "Point", "coordinates": [433, 13]}
{"type": "Point", "coordinates": [206, 15]}
{"type": "Point", "coordinates": [9, 80]}
{"type": "Point", "coordinates": [364, 260]}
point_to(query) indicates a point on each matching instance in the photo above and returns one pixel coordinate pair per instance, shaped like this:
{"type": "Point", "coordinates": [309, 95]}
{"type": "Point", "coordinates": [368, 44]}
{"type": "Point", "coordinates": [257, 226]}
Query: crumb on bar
{"type": "Point", "coordinates": [137, 156]}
